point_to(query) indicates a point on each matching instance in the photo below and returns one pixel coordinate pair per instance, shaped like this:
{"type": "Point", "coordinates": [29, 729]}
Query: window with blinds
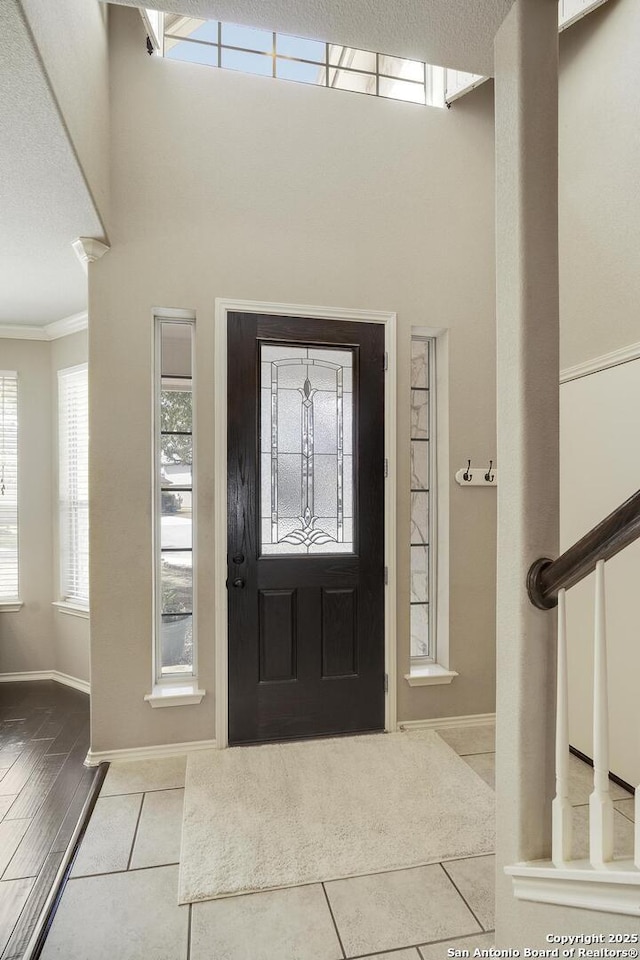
{"type": "Point", "coordinates": [73, 447]}
{"type": "Point", "coordinates": [9, 578]}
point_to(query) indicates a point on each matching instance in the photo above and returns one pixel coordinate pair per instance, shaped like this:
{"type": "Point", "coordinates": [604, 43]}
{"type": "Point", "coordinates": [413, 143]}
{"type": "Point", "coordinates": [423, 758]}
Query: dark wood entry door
{"type": "Point", "coordinates": [305, 527]}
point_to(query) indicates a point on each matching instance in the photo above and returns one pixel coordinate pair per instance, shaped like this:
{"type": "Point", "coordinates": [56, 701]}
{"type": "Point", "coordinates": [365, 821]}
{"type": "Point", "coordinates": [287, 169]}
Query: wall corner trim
{"type": "Point", "coordinates": [83, 685]}
{"type": "Point", "coordinates": [95, 757]}
{"type": "Point", "coordinates": [88, 250]}
{"type": "Point", "coordinates": [435, 723]}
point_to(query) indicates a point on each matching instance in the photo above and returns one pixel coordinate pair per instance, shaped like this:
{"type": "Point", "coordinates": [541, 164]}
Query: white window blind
{"type": "Point", "coordinates": [8, 486]}
{"type": "Point", "coordinates": [73, 442]}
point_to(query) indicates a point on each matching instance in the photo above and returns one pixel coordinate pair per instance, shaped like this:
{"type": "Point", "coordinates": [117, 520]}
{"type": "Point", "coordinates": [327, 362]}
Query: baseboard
{"type": "Point", "coordinates": [94, 757]}
{"type": "Point", "coordinates": [82, 685]}
{"type": "Point", "coordinates": [472, 720]}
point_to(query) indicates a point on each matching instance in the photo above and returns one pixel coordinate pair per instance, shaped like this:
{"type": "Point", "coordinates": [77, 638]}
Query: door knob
{"type": "Point", "coordinates": [238, 558]}
{"type": "Point", "coordinates": [238, 582]}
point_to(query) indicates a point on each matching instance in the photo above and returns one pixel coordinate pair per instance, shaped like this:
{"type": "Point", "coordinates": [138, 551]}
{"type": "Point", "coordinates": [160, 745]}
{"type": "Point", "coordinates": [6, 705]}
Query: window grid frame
{"type": "Point", "coordinates": [168, 679]}
{"type": "Point", "coordinates": [325, 64]}
{"type": "Point", "coordinates": [418, 662]}
{"type": "Point", "coordinates": [11, 600]}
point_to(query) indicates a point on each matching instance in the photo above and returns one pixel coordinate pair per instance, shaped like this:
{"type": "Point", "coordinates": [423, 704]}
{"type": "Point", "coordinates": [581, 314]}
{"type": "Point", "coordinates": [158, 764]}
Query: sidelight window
{"type": "Point", "coordinates": [174, 500]}
{"type": "Point", "coordinates": [422, 500]}
{"type": "Point", "coordinates": [306, 450]}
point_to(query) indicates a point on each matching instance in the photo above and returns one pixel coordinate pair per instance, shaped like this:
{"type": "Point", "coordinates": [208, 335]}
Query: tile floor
{"type": "Point", "coordinates": [121, 898]}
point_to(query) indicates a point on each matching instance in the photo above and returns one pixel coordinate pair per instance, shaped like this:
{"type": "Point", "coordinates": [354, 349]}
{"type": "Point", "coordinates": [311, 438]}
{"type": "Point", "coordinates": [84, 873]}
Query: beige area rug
{"type": "Point", "coordinates": [279, 815]}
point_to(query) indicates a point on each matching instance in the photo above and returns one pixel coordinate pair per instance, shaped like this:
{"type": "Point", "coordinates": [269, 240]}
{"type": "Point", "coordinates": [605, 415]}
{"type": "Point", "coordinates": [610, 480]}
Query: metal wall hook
{"type": "Point", "coordinates": [488, 475]}
{"type": "Point", "coordinates": [467, 475]}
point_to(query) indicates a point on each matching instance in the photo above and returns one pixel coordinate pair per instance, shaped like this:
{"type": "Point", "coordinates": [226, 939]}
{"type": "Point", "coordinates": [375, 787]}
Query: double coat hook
{"type": "Point", "coordinates": [477, 478]}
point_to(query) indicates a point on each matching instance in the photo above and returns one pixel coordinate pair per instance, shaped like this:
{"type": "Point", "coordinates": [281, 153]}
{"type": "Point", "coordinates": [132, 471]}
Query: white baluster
{"type": "Point", "coordinates": [562, 811]}
{"type": "Point", "coordinates": [600, 803]}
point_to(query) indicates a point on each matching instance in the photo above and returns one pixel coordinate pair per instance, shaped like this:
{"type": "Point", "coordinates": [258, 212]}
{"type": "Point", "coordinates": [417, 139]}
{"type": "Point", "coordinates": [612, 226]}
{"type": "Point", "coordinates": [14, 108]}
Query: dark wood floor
{"type": "Point", "coordinates": [44, 738]}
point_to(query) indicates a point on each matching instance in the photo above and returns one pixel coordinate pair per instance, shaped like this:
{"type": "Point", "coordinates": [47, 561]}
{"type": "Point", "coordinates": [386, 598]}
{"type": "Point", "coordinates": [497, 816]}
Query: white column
{"type": "Point", "coordinates": [526, 98]}
{"type": "Point", "coordinates": [562, 811]}
{"type": "Point", "coordinates": [600, 802]}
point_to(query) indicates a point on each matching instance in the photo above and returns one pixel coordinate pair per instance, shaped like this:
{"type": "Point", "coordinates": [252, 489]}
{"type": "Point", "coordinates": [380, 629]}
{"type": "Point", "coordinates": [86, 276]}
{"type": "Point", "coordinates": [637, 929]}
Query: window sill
{"type": "Point", "coordinates": [71, 609]}
{"type": "Point", "coordinates": [175, 694]}
{"type": "Point", "coordinates": [11, 606]}
{"type": "Point", "coordinates": [431, 674]}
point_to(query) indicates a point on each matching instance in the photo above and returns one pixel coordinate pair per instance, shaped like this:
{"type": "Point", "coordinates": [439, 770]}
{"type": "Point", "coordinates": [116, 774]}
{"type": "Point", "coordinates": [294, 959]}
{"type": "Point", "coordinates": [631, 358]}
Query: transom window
{"type": "Point", "coordinates": [270, 54]}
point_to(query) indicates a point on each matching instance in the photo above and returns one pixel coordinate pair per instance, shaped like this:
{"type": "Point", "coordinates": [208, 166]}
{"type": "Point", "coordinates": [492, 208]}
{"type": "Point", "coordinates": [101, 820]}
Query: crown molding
{"type": "Point", "coordinates": [18, 331]}
{"type": "Point", "coordinates": [88, 250]}
{"type": "Point", "coordinates": [50, 331]}
{"type": "Point", "coordinates": [68, 325]}
{"type": "Point", "coordinates": [613, 359]}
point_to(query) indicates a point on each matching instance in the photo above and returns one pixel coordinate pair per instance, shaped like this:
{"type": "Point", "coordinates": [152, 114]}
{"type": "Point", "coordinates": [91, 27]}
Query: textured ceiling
{"type": "Point", "coordinates": [450, 33]}
{"type": "Point", "coordinates": [44, 201]}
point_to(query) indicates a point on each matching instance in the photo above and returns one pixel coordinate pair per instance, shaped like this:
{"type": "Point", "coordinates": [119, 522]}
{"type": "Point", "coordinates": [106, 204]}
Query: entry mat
{"type": "Point", "coordinates": [279, 815]}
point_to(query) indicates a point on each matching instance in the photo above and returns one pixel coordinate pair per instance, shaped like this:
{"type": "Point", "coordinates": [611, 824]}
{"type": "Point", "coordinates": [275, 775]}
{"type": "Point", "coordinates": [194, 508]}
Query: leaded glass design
{"type": "Point", "coordinates": [421, 360]}
{"type": "Point", "coordinates": [306, 450]}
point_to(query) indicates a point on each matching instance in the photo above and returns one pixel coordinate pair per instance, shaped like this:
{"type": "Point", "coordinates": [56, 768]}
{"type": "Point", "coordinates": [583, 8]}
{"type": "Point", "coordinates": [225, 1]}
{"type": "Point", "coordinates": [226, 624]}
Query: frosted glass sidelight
{"type": "Point", "coordinates": [306, 449]}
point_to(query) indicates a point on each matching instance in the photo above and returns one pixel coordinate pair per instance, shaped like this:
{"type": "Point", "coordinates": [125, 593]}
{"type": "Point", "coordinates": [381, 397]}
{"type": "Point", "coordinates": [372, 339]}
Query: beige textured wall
{"type": "Point", "coordinates": [71, 36]}
{"type": "Point", "coordinates": [599, 183]}
{"type": "Point", "coordinates": [227, 185]}
{"type": "Point", "coordinates": [26, 641]}
{"type": "Point", "coordinates": [70, 634]}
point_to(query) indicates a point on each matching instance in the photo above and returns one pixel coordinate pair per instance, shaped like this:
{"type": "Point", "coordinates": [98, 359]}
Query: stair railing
{"type": "Point", "coordinates": [612, 884]}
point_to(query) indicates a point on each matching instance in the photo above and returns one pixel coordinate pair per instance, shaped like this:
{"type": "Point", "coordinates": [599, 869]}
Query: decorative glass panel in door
{"type": "Point", "coordinates": [306, 450]}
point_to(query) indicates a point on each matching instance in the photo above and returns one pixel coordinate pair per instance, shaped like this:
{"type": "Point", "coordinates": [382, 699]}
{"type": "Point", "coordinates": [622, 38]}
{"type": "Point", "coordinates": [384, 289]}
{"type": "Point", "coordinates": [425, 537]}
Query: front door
{"type": "Point", "coordinates": [305, 527]}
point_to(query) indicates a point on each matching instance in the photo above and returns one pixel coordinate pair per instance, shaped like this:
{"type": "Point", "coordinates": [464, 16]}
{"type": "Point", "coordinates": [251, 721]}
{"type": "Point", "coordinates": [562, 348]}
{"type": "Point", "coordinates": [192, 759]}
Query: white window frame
{"type": "Point", "coordinates": [12, 604]}
{"type": "Point", "coordinates": [435, 669]}
{"type": "Point", "coordinates": [67, 602]}
{"type": "Point", "coordinates": [171, 690]}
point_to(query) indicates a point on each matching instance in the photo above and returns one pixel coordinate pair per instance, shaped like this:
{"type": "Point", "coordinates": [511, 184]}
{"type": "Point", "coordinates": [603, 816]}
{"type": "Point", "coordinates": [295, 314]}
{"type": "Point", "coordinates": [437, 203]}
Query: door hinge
{"type": "Point", "coordinates": [386, 576]}
{"type": "Point", "coordinates": [386, 683]}
{"type": "Point", "coordinates": [386, 361]}
{"type": "Point", "coordinates": [386, 467]}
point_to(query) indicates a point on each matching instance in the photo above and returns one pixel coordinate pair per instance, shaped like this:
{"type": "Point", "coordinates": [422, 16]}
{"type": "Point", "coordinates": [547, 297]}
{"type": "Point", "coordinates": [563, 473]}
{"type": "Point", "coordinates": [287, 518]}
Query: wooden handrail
{"type": "Point", "coordinates": [609, 537]}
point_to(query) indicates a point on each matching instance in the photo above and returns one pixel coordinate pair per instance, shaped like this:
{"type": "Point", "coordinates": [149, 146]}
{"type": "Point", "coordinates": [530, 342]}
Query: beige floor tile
{"type": "Point", "coordinates": [139, 776]}
{"type": "Point", "coordinates": [106, 846]}
{"type": "Point", "coordinates": [473, 739]}
{"type": "Point", "coordinates": [159, 830]}
{"type": "Point", "coordinates": [581, 783]}
{"type": "Point", "coordinates": [126, 916]}
{"type": "Point", "coordinates": [411, 954]}
{"type": "Point", "coordinates": [293, 924]}
{"type": "Point", "coordinates": [11, 833]}
{"type": "Point", "coordinates": [13, 896]}
{"type": "Point", "coordinates": [484, 765]}
{"type": "Point", "coordinates": [392, 910]}
{"type": "Point", "coordinates": [627, 808]}
{"type": "Point", "coordinates": [475, 879]}
{"type": "Point", "coordinates": [622, 834]}
{"type": "Point", "coordinates": [438, 951]}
